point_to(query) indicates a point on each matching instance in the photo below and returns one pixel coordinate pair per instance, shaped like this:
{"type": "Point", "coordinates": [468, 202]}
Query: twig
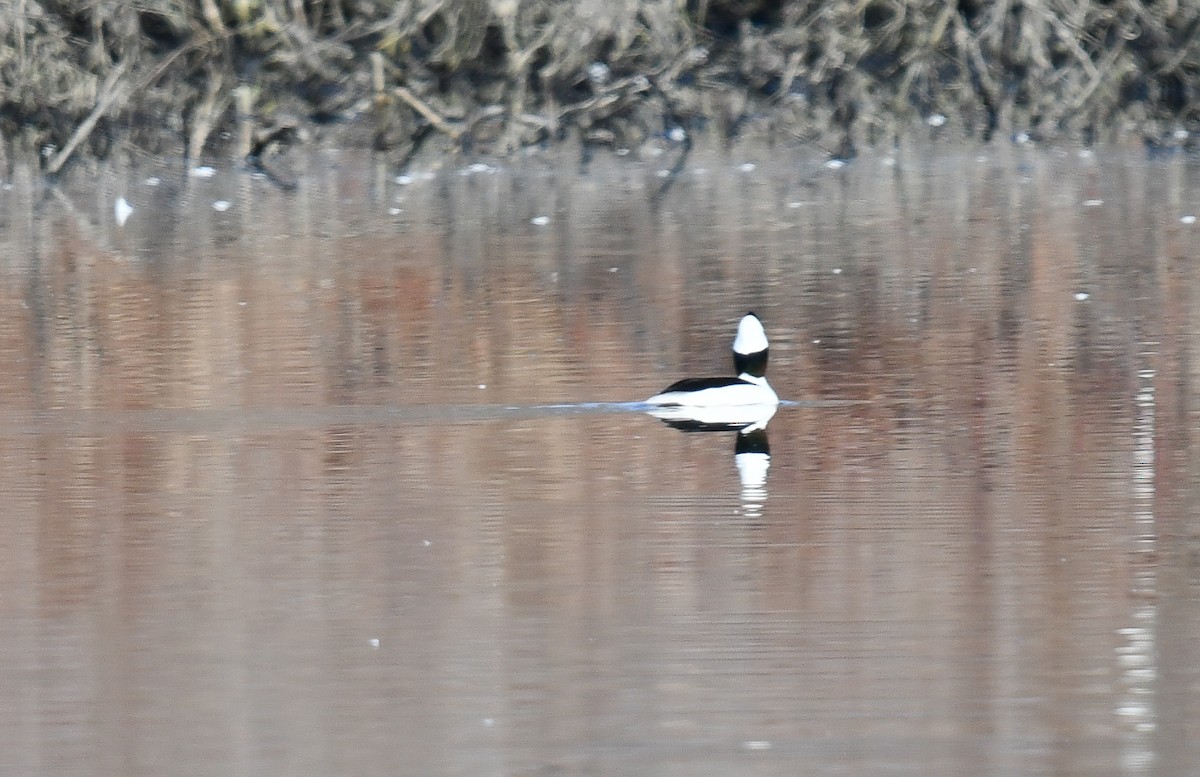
{"type": "Point", "coordinates": [673, 173]}
{"type": "Point", "coordinates": [243, 102]}
{"type": "Point", "coordinates": [111, 90]}
{"type": "Point", "coordinates": [377, 72]}
{"type": "Point", "coordinates": [187, 48]}
{"type": "Point", "coordinates": [418, 140]}
{"type": "Point", "coordinates": [206, 112]}
{"type": "Point", "coordinates": [212, 15]}
{"type": "Point", "coordinates": [428, 113]}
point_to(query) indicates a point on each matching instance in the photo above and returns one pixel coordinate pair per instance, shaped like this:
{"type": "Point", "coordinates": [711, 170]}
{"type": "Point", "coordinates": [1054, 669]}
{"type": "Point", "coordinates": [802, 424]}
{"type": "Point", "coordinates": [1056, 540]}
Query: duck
{"type": "Point", "coordinates": [745, 400]}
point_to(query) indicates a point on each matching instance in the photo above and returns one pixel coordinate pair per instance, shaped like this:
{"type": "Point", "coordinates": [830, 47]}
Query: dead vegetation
{"type": "Point", "coordinates": [489, 76]}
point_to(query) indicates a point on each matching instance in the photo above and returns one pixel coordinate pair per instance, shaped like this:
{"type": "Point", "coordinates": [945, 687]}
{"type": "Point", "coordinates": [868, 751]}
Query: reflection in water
{"type": "Point", "coordinates": [752, 449]}
{"type": "Point", "coordinates": [752, 455]}
{"type": "Point", "coordinates": [1137, 655]}
{"type": "Point", "coordinates": [718, 418]}
{"type": "Point", "coordinates": [342, 480]}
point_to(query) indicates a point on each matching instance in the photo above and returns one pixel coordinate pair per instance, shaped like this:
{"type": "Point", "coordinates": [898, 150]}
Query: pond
{"type": "Point", "coordinates": [353, 478]}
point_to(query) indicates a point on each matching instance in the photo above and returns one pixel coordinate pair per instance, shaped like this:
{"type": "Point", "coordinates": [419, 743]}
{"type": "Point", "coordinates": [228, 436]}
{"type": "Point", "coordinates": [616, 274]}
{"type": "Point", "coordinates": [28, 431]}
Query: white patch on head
{"type": "Point", "coordinates": [751, 338]}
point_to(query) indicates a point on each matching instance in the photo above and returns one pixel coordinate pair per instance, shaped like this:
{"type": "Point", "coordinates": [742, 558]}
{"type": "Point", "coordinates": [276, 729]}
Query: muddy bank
{"type": "Point", "coordinates": [248, 77]}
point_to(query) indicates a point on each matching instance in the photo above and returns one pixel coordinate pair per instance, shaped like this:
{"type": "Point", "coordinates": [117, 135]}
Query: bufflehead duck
{"type": "Point", "coordinates": [747, 395]}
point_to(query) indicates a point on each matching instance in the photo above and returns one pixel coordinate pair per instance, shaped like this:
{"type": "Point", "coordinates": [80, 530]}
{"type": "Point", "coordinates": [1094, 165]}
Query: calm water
{"type": "Point", "coordinates": [280, 492]}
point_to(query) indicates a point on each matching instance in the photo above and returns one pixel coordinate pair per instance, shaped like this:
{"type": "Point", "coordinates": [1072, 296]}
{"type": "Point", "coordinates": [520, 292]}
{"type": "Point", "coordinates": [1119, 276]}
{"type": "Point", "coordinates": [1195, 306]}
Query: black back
{"type": "Point", "coordinates": [699, 384]}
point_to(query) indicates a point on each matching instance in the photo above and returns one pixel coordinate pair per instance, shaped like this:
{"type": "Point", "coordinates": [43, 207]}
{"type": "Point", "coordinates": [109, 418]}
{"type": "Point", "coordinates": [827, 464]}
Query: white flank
{"type": "Point", "coordinates": [753, 417]}
{"type": "Point", "coordinates": [754, 391]}
{"type": "Point", "coordinates": [751, 338]}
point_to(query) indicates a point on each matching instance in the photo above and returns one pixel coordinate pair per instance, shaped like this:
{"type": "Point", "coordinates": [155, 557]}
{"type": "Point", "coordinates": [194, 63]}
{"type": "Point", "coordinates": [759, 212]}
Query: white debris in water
{"type": "Point", "coordinates": [427, 543]}
{"type": "Point", "coordinates": [540, 221]}
{"type": "Point", "coordinates": [1092, 203]}
{"type": "Point", "coordinates": [936, 120]}
{"type": "Point", "coordinates": [153, 180]}
{"type": "Point", "coordinates": [835, 164]}
{"type": "Point", "coordinates": [1187, 219]}
{"type": "Point", "coordinates": [478, 167]}
{"type": "Point", "coordinates": [677, 135]}
{"type": "Point", "coordinates": [204, 171]}
{"type": "Point", "coordinates": [1080, 296]}
{"type": "Point", "coordinates": [489, 722]}
{"type": "Point", "coordinates": [1021, 138]}
{"type": "Point", "coordinates": [613, 269]}
{"type": "Point", "coordinates": [1180, 133]}
{"type": "Point", "coordinates": [122, 211]}
{"type": "Point", "coordinates": [220, 206]}
{"type": "Point", "coordinates": [888, 161]}
{"type": "Point", "coordinates": [816, 341]}
{"type": "Point", "coordinates": [756, 744]}
{"type": "Point", "coordinates": [482, 386]}
{"type": "Point", "coordinates": [746, 167]}
{"type": "Point", "coordinates": [1086, 153]}
{"type": "Point", "coordinates": [598, 73]}
{"type": "Point", "coordinates": [796, 204]}
{"type": "Point", "coordinates": [373, 642]}
{"type": "Point", "coordinates": [394, 211]}
{"type": "Point", "coordinates": [622, 152]}
{"type": "Point", "coordinates": [837, 270]}
{"type": "Point", "coordinates": [404, 180]}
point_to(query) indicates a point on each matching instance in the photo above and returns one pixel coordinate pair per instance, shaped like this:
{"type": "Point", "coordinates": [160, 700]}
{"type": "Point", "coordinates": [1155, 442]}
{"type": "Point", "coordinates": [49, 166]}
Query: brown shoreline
{"type": "Point", "coordinates": [235, 79]}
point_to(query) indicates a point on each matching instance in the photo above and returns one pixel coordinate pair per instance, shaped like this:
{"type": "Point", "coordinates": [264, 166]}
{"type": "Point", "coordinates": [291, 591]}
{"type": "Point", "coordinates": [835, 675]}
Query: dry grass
{"type": "Point", "coordinates": [493, 75]}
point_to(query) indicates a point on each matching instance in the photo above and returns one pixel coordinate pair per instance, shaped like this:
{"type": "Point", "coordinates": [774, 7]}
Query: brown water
{"type": "Point", "coordinates": [280, 493]}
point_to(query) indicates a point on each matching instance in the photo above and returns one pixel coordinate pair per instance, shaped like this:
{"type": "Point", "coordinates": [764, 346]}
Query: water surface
{"type": "Point", "coordinates": [310, 485]}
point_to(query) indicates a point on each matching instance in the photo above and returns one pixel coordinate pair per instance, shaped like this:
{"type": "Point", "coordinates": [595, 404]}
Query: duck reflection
{"type": "Point", "coordinates": [752, 455]}
{"type": "Point", "coordinates": [751, 449]}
